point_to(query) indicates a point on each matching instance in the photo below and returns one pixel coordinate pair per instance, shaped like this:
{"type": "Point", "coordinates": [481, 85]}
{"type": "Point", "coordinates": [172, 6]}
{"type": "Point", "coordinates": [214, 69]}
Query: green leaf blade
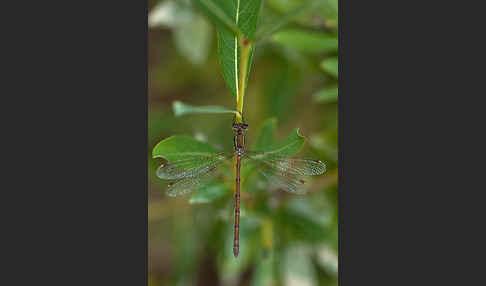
{"type": "Point", "coordinates": [272, 21]}
{"type": "Point", "coordinates": [248, 12]}
{"type": "Point", "coordinates": [307, 41]}
{"type": "Point", "coordinates": [330, 66]}
{"type": "Point", "coordinates": [180, 147]}
{"type": "Point", "coordinates": [326, 95]}
{"type": "Point", "coordinates": [181, 108]}
{"type": "Point", "coordinates": [233, 19]}
{"type": "Point", "coordinates": [228, 53]}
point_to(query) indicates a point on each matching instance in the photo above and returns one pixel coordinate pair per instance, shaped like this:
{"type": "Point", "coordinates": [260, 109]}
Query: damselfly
{"type": "Point", "coordinates": [281, 171]}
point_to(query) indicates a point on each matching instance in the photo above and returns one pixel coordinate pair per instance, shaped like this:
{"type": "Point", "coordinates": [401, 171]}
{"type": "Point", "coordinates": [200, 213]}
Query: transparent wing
{"type": "Point", "coordinates": [189, 184]}
{"type": "Point", "coordinates": [283, 172]}
{"type": "Point", "coordinates": [283, 164]}
{"type": "Point", "coordinates": [285, 181]}
{"type": "Point", "coordinates": [191, 166]}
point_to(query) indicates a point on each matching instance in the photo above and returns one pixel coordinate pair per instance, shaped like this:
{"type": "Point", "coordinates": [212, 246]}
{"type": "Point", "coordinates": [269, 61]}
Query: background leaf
{"type": "Point", "coordinates": [298, 268]}
{"type": "Point", "coordinates": [181, 108]}
{"type": "Point", "coordinates": [191, 31]}
{"type": "Point", "coordinates": [331, 66]}
{"type": "Point", "coordinates": [193, 39]}
{"type": "Point", "coordinates": [168, 14]}
{"type": "Point", "coordinates": [307, 41]}
{"type": "Point", "coordinates": [327, 95]}
{"type": "Point", "coordinates": [271, 20]}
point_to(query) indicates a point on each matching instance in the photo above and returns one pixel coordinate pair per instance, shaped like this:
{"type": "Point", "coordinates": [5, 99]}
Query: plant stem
{"type": "Point", "coordinates": [245, 48]}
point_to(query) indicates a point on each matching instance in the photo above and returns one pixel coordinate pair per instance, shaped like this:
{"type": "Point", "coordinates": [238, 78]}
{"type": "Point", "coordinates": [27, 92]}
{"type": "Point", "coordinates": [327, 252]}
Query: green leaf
{"type": "Point", "coordinates": [272, 21]}
{"type": "Point", "coordinates": [233, 19]}
{"type": "Point", "coordinates": [180, 147]}
{"type": "Point", "coordinates": [208, 193]}
{"type": "Point", "coordinates": [229, 57]}
{"type": "Point", "coordinates": [307, 41]}
{"type": "Point", "coordinates": [180, 109]}
{"type": "Point", "coordinates": [288, 146]}
{"type": "Point", "coordinates": [266, 137]}
{"type": "Point", "coordinates": [327, 95]}
{"type": "Point", "coordinates": [248, 13]}
{"type": "Point", "coordinates": [331, 66]}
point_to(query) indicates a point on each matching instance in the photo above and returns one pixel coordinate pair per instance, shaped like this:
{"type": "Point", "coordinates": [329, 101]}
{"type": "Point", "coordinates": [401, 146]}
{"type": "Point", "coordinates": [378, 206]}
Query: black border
{"type": "Point", "coordinates": [77, 83]}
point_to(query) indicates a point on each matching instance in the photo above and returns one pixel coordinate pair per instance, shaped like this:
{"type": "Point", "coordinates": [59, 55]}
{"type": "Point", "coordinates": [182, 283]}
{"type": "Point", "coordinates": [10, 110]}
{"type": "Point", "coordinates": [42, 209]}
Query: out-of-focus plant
{"type": "Point", "coordinates": [192, 33]}
{"type": "Point", "coordinates": [284, 240]}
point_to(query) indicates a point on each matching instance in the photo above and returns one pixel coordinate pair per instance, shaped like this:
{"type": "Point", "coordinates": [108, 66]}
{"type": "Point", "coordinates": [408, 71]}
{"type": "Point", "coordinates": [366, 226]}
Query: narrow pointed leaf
{"type": "Point", "coordinates": [180, 109]}
{"type": "Point", "coordinates": [307, 41]}
{"type": "Point", "coordinates": [233, 19]}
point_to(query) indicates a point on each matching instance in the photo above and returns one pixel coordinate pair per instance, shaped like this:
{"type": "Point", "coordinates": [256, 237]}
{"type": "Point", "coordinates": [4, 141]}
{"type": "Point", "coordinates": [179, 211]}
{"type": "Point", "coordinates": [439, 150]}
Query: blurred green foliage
{"type": "Point", "coordinates": [285, 239]}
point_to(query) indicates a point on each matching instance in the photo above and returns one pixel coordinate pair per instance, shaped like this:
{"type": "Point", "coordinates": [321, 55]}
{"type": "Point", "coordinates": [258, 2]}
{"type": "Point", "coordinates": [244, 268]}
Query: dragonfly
{"type": "Point", "coordinates": [197, 170]}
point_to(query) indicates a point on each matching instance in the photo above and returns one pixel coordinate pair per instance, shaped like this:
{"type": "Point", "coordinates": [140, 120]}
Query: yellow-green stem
{"type": "Point", "coordinates": [245, 48]}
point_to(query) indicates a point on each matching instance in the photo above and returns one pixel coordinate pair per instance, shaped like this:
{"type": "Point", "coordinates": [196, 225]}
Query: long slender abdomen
{"type": "Point", "coordinates": [236, 242]}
